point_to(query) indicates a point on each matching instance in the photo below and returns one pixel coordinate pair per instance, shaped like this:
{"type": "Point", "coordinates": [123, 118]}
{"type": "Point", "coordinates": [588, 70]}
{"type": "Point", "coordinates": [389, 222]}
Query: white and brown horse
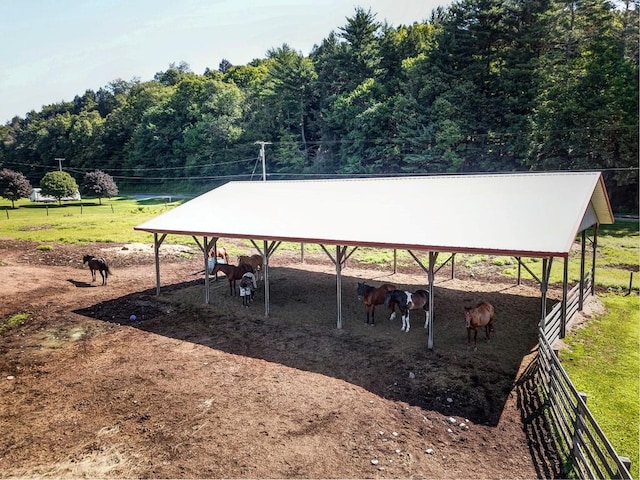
{"type": "Point", "coordinates": [477, 317]}
{"type": "Point", "coordinates": [407, 301]}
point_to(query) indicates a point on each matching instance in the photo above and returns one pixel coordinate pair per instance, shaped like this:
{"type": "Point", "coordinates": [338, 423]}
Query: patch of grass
{"type": "Point", "coordinates": [471, 260]}
{"type": "Point", "coordinates": [17, 319]}
{"type": "Point", "coordinates": [604, 362]}
{"type": "Point", "coordinates": [618, 255]}
{"type": "Point", "coordinates": [113, 221]}
{"type": "Point", "coordinates": [44, 248]}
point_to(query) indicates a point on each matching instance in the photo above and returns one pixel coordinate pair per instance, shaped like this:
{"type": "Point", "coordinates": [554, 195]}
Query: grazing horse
{"type": "Point", "coordinates": [233, 273]}
{"type": "Point", "coordinates": [221, 253]}
{"type": "Point", "coordinates": [372, 296]}
{"type": "Point", "coordinates": [247, 288]}
{"type": "Point", "coordinates": [476, 317]}
{"type": "Point", "coordinates": [97, 264]}
{"type": "Point", "coordinates": [406, 302]}
{"type": "Point", "coordinates": [255, 261]}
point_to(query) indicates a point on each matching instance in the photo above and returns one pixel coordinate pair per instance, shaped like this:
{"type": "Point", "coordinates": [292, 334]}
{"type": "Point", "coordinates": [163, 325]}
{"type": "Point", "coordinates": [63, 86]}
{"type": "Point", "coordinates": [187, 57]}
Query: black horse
{"type": "Point", "coordinates": [406, 302]}
{"type": "Point", "coordinates": [97, 264]}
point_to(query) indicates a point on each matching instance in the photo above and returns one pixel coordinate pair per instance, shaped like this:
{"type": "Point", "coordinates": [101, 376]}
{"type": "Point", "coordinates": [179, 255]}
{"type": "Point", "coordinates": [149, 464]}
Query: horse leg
{"type": "Point", "coordinates": [407, 321]}
{"type": "Point", "coordinates": [104, 278]}
{"type": "Point", "coordinates": [373, 312]}
{"type": "Point", "coordinates": [93, 274]}
{"type": "Point", "coordinates": [404, 320]}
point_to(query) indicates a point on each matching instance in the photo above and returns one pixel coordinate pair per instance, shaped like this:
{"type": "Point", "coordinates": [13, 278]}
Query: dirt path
{"type": "Point", "coordinates": [213, 391]}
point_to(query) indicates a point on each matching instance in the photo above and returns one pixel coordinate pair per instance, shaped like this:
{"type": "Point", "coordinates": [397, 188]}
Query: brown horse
{"type": "Point", "coordinates": [372, 296]}
{"type": "Point", "coordinates": [476, 317]}
{"type": "Point", "coordinates": [221, 253]}
{"type": "Point", "coordinates": [255, 261]}
{"type": "Point", "coordinates": [406, 302]}
{"type": "Point", "coordinates": [233, 273]}
{"type": "Point", "coordinates": [97, 264]}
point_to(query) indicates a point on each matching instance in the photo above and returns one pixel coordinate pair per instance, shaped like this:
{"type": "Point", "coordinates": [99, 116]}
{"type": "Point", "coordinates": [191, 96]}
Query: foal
{"type": "Point", "coordinates": [99, 264]}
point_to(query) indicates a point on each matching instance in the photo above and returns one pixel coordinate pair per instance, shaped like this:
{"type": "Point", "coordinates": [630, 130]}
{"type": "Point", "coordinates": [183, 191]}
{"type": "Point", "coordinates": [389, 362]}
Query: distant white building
{"type": "Point", "coordinates": [36, 196]}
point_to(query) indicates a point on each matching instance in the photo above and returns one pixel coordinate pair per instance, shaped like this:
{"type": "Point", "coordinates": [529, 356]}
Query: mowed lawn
{"type": "Point", "coordinates": [604, 362]}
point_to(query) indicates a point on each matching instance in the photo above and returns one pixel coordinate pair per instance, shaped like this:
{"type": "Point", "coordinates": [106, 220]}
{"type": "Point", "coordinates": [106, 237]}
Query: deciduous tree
{"type": "Point", "coordinates": [58, 184]}
{"type": "Point", "coordinates": [99, 184]}
{"type": "Point", "coordinates": [13, 186]}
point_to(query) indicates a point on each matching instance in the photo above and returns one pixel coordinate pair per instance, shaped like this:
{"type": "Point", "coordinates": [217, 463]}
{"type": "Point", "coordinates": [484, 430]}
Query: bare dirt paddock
{"type": "Point", "coordinates": [221, 391]}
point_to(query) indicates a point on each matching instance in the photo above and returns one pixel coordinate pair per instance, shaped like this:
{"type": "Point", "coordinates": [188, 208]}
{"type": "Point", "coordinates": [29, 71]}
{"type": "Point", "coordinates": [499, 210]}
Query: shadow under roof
{"type": "Point", "coordinates": [520, 214]}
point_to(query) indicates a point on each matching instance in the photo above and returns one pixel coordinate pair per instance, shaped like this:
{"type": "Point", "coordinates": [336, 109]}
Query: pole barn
{"type": "Point", "coordinates": [535, 215]}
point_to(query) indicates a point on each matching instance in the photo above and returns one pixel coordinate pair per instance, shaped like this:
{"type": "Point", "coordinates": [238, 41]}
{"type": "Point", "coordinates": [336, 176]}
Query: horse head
{"type": "Point", "coordinates": [362, 289]}
{"type": "Point", "coordinates": [86, 258]}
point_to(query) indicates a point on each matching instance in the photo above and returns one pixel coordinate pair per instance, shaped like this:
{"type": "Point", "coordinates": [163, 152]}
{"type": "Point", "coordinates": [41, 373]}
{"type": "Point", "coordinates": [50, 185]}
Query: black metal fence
{"type": "Point", "coordinates": [579, 439]}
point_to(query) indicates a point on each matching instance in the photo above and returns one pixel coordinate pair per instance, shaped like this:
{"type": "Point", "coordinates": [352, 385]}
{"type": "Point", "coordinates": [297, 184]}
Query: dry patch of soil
{"type": "Point", "coordinates": [222, 391]}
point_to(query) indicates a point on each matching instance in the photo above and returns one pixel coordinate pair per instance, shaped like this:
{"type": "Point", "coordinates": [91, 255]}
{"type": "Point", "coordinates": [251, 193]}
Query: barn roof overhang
{"type": "Point", "coordinates": [515, 214]}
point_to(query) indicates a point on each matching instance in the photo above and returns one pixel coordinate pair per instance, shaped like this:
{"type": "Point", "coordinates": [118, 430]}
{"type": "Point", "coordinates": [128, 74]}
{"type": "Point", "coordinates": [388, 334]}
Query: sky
{"type": "Point", "coordinates": [57, 49]}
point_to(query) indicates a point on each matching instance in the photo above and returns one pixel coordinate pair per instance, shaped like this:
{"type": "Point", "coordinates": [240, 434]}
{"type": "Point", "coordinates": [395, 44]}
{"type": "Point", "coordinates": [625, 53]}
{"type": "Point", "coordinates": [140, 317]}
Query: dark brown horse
{"type": "Point", "coordinates": [233, 273]}
{"type": "Point", "coordinates": [406, 302]}
{"type": "Point", "coordinates": [97, 264]}
{"type": "Point", "coordinates": [372, 296]}
{"type": "Point", "coordinates": [477, 317]}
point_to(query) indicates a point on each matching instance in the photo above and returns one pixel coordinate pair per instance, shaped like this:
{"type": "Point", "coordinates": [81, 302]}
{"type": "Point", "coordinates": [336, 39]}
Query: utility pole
{"type": "Point", "coordinates": [60, 160]}
{"type": "Point", "coordinates": [264, 168]}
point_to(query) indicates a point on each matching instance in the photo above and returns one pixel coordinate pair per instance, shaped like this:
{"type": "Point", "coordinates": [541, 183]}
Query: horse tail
{"type": "Point", "coordinates": [387, 300]}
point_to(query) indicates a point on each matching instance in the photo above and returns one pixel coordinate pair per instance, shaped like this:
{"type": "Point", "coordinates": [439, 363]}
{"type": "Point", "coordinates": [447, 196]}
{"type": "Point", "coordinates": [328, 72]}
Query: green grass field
{"type": "Point", "coordinates": [604, 362]}
{"type": "Point", "coordinates": [603, 358]}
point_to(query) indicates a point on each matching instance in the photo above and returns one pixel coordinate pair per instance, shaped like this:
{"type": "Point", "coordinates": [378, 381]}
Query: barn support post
{"type": "Point", "coordinates": [583, 239]}
{"type": "Point", "coordinates": [266, 253]}
{"type": "Point", "coordinates": [544, 285]}
{"type": "Point", "coordinates": [339, 261]}
{"type": "Point", "coordinates": [519, 270]}
{"type": "Point", "coordinates": [205, 246]}
{"type": "Point", "coordinates": [453, 266]}
{"type": "Point", "coordinates": [265, 266]}
{"type": "Point", "coordinates": [395, 261]}
{"type": "Point", "coordinates": [432, 261]}
{"type": "Point", "coordinates": [156, 250]}
{"type": "Point", "coordinates": [593, 261]}
{"type": "Point", "coordinates": [205, 254]}
{"type": "Point", "coordinates": [339, 255]}
{"type": "Point", "coordinates": [565, 291]}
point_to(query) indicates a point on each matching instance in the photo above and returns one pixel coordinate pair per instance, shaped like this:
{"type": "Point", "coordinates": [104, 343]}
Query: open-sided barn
{"type": "Point", "coordinates": [517, 214]}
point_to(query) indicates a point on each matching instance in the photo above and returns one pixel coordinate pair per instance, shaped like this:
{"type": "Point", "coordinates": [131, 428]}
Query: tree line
{"type": "Point", "coordinates": [479, 86]}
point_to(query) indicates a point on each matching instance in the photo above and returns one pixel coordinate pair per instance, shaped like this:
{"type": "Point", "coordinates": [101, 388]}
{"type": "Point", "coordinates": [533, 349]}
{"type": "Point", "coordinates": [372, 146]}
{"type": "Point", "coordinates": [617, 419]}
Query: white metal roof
{"type": "Point", "coordinates": [521, 214]}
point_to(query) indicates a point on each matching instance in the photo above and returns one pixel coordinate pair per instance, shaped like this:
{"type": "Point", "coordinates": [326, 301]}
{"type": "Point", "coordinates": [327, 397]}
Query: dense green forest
{"type": "Point", "coordinates": [481, 86]}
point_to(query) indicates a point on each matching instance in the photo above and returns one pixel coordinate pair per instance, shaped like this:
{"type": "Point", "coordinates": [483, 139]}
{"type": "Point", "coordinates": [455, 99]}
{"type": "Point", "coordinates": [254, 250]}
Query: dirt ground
{"type": "Point", "coordinates": [190, 390]}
